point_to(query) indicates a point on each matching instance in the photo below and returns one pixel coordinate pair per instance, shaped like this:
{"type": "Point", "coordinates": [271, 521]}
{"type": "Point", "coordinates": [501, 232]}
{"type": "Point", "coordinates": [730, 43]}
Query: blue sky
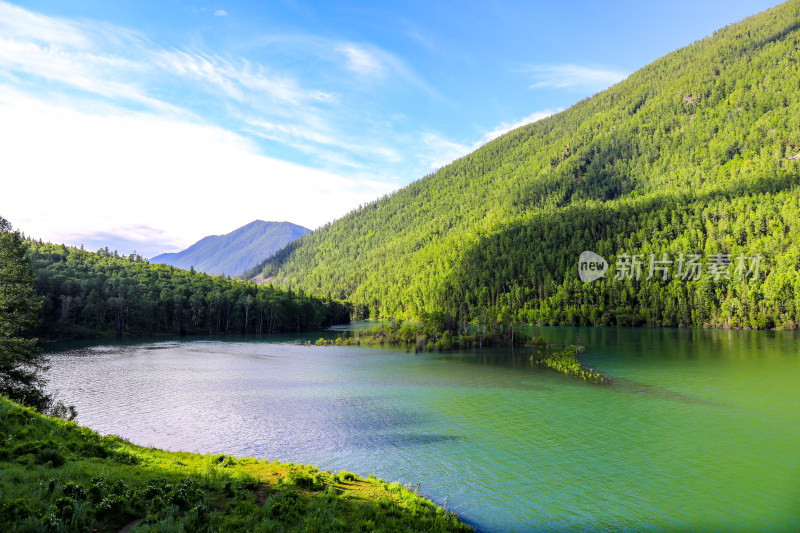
{"type": "Point", "coordinates": [146, 125]}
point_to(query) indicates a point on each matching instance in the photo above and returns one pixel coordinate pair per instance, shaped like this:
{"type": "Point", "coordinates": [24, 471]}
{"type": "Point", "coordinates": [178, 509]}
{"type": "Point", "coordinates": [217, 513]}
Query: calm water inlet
{"type": "Point", "coordinates": [700, 430]}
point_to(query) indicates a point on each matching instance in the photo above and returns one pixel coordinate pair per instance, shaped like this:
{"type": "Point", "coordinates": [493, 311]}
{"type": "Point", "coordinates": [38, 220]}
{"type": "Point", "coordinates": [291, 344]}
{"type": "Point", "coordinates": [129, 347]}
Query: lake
{"type": "Point", "coordinates": [700, 429]}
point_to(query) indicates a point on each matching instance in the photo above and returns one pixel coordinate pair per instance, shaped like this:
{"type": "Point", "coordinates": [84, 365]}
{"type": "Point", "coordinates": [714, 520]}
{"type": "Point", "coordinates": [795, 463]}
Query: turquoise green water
{"type": "Point", "coordinates": [700, 430]}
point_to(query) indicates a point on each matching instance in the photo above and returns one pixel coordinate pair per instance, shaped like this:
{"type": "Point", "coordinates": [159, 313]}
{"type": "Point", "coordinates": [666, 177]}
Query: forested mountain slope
{"type": "Point", "coordinates": [695, 153]}
{"type": "Point", "coordinates": [87, 294]}
{"type": "Point", "coordinates": [237, 251]}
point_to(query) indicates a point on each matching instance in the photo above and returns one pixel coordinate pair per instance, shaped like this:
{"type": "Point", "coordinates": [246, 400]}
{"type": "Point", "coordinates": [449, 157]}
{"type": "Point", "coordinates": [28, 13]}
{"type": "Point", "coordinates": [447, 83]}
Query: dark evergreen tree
{"type": "Point", "coordinates": [21, 362]}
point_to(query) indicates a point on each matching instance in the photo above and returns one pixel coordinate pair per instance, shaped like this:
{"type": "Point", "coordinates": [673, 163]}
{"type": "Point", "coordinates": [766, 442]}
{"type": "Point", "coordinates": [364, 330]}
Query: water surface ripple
{"type": "Point", "coordinates": [701, 429]}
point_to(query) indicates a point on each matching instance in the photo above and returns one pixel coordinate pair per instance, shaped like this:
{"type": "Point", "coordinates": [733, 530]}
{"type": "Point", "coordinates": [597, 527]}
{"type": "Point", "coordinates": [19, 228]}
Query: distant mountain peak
{"type": "Point", "coordinates": [237, 251]}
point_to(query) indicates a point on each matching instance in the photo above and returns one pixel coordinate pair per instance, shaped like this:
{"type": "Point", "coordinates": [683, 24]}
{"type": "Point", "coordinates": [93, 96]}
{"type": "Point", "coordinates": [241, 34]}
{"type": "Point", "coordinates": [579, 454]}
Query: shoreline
{"type": "Point", "coordinates": [517, 327]}
{"type": "Point", "coordinates": [108, 483]}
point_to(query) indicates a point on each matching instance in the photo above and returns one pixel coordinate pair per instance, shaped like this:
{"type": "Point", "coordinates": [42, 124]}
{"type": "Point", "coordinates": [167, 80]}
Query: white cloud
{"type": "Point", "coordinates": [569, 75]}
{"type": "Point", "coordinates": [110, 61]}
{"type": "Point", "coordinates": [220, 13]}
{"type": "Point", "coordinates": [275, 131]}
{"type": "Point", "coordinates": [78, 69]}
{"type": "Point", "coordinates": [505, 127]}
{"type": "Point", "coordinates": [441, 151]}
{"type": "Point", "coordinates": [87, 57]}
{"type": "Point", "coordinates": [16, 22]}
{"type": "Point", "coordinates": [104, 124]}
{"type": "Point", "coordinates": [127, 69]}
{"type": "Point", "coordinates": [134, 169]}
{"type": "Point", "coordinates": [361, 61]}
{"type": "Point", "coordinates": [142, 239]}
{"type": "Point", "coordinates": [54, 50]}
{"type": "Point", "coordinates": [245, 82]}
{"type": "Point", "coordinates": [315, 132]}
{"type": "Point", "coordinates": [374, 63]}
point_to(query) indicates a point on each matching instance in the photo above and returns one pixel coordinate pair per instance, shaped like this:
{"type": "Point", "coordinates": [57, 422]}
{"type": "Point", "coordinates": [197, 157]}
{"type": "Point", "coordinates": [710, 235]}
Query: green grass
{"type": "Point", "coordinates": [57, 476]}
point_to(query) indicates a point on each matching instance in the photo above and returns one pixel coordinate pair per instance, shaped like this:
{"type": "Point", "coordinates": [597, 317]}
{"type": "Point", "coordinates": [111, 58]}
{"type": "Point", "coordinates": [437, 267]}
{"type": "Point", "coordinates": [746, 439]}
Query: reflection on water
{"type": "Point", "coordinates": [700, 429]}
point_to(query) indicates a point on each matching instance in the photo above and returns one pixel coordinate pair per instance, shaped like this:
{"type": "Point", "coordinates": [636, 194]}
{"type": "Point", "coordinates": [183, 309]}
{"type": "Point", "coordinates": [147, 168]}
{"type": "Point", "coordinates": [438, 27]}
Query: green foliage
{"type": "Point", "coordinates": [428, 336]}
{"type": "Point", "coordinates": [49, 456]}
{"type": "Point", "coordinates": [566, 361]}
{"type": "Point", "coordinates": [344, 475]}
{"type": "Point", "coordinates": [694, 154]}
{"type": "Point", "coordinates": [92, 294]}
{"type": "Point", "coordinates": [21, 362]}
{"type": "Point", "coordinates": [305, 480]}
{"type": "Point", "coordinates": [161, 491]}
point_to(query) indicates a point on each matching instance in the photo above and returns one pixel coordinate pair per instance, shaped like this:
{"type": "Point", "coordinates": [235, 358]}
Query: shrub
{"type": "Point", "coordinates": [284, 506]}
{"type": "Point", "coordinates": [14, 510]}
{"type": "Point", "coordinates": [49, 455]}
{"type": "Point", "coordinates": [110, 506]}
{"type": "Point", "coordinates": [32, 447]}
{"type": "Point", "coordinates": [304, 481]}
{"type": "Point", "coordinates": [93, 449]}
{"type": "Point", "coordinates": [65, 507]}
{"type": "Point", "coordinates": [344, 475]}
{"type": "Point", "coordinates": [125, 457]}
{"type": "Point", "coordinates": [394, 487]}
{"type": "Point", "coordinates": [73, 490]}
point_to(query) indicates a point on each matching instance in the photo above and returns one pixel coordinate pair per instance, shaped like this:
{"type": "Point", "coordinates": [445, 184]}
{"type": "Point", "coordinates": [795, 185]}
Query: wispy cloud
{"type": "Point", "coordinates": [128, 165]}
{"type": "Point", "coordinates": [371, 62]}
{"type": "Point", "coordinates": [237, 81]}
{"type": "Point", "coordinates": [506, 127]}
{"type": "Point", "coordinates": [77, 69]}
{"type": "Point", "coordinates": [220, 13]}
{"type": "Point", "coordinates": [440, 151]}
{"type": "Point", "coordinates": [17, 22]}
{"type": "Point", "coordinates": [313, 137]}
{"type": "Point", "coordinates": [70, 53]}
{"type": "Point", "coordinates": [126, 68]}
{"type": "Point", "coordinates": [571, 75]}
{"type": "Point", "coordinates": [362, 61]}
{"type": "Point", "coordinates": [111, 107]}
{"type": "Point", "coordinates": [277, 131]}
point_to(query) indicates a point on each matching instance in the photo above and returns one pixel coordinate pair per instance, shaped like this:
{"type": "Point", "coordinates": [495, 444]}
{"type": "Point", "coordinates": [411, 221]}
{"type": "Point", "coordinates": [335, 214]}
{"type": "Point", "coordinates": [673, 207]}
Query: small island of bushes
{"type": "Point", "coordinates": [424, 338]}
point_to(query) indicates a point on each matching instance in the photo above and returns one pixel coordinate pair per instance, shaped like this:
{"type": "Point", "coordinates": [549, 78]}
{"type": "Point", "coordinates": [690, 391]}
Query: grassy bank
{"type": "Point", "coordinates": [57, 476]}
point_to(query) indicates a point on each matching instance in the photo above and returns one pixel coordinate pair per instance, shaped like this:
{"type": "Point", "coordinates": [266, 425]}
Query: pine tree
{"type": "Point", "coordinates": [21, 362]}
